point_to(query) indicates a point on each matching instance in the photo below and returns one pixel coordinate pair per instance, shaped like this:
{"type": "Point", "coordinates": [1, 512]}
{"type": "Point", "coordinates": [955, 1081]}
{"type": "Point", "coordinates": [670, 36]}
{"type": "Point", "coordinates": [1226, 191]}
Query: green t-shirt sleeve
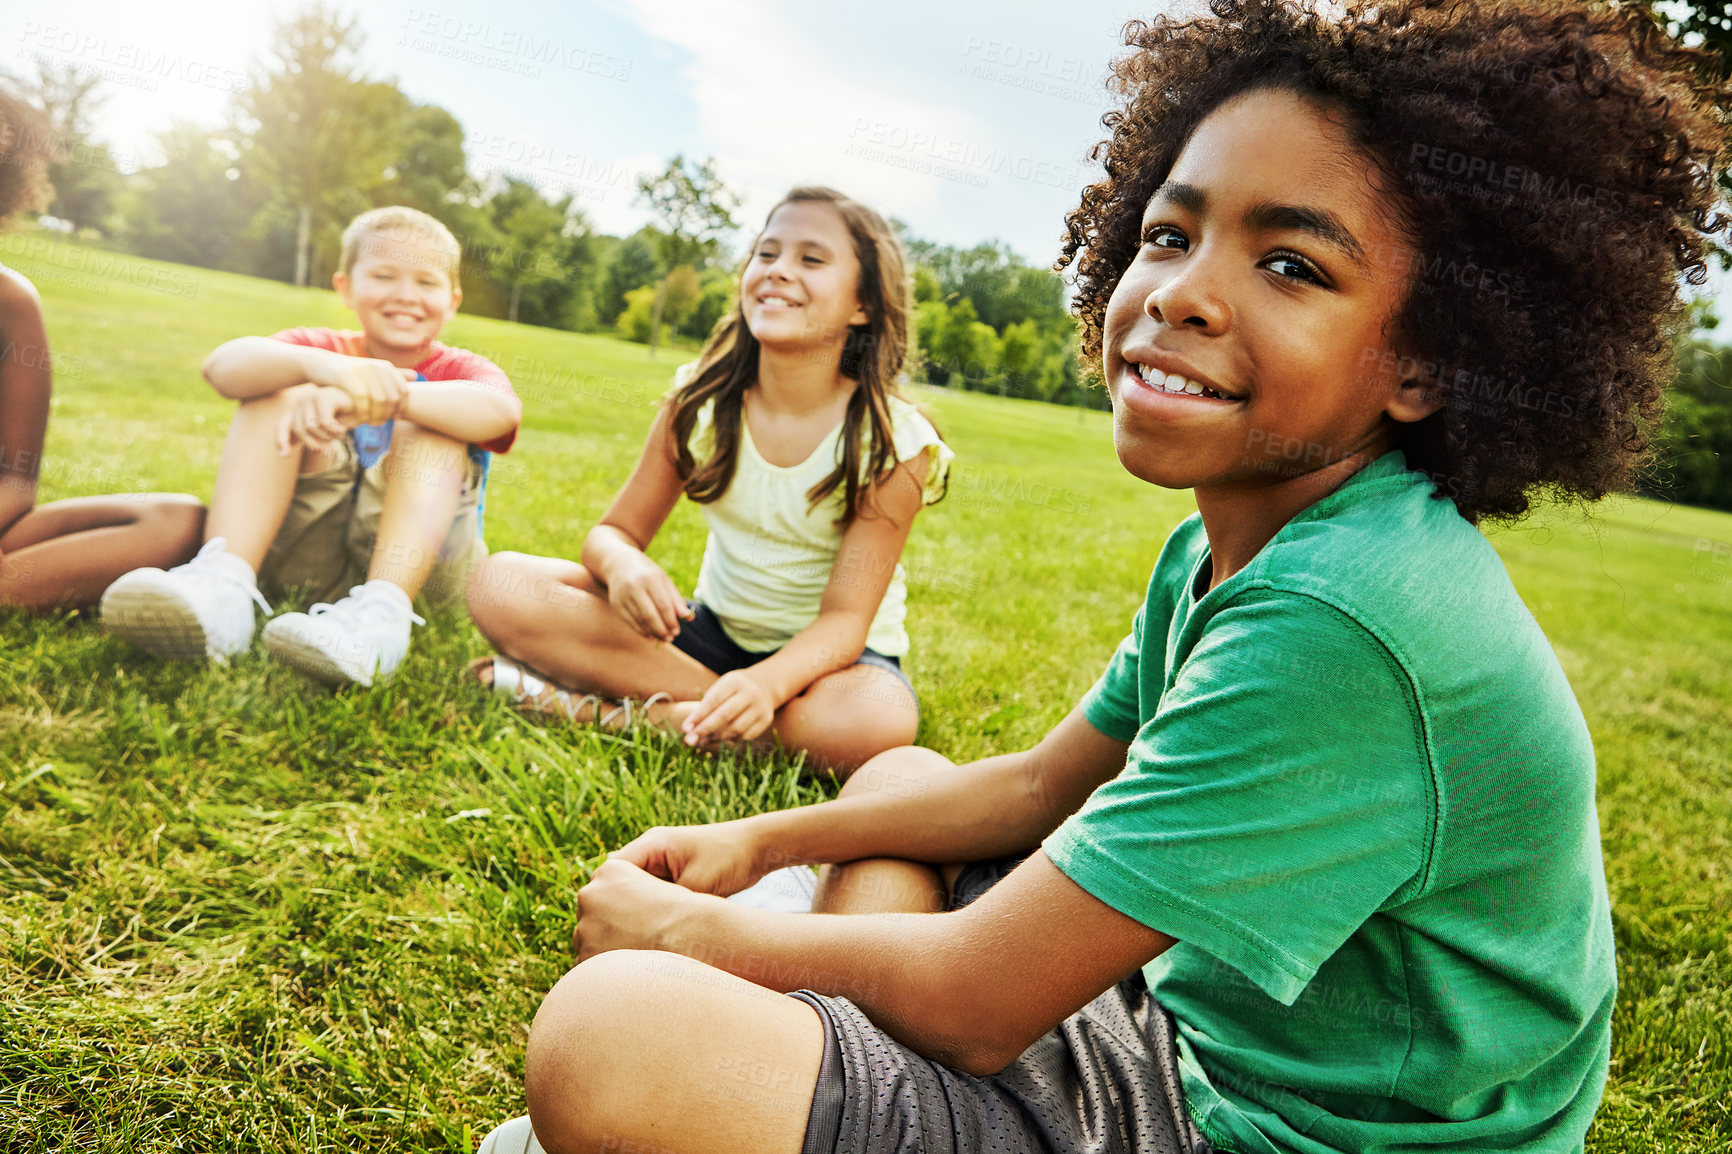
{"type": "Point", "coordinates": [1111, 706]}
{"type": "Point", "coordinates": [1278, 797]}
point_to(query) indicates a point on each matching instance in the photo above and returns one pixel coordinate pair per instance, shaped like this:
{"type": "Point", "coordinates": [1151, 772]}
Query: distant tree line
{"type": "Point", "coordinates": [312, 141]}
{"type": "Point", "coordinates": [1692, 460]}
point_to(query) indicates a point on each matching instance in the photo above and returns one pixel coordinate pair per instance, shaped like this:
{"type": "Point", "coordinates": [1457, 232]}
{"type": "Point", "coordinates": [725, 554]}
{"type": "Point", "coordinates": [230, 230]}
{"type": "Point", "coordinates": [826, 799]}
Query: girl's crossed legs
{"type": "Point", "coordinates": [553, 616]}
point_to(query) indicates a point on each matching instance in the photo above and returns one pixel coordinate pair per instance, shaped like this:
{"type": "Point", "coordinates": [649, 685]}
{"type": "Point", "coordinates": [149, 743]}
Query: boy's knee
{"type": "Point", "coordinates": [428, 443]}
{"type": "Point", "coordinates": [905, 771]}
{"type": "Point", "coordinates": [581, 1034]}
{"type": "Point", "coordinates": [317, 459]}
{"type": "Point", "coordinates": [423, 457]}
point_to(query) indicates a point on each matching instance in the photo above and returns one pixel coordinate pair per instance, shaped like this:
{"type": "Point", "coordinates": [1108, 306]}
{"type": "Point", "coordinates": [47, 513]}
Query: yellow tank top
{"type": "Point", "coordinates": [768, 557]}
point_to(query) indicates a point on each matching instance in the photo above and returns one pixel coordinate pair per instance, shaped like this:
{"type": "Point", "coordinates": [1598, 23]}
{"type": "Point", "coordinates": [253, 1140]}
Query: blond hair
{"type": "Point", "coordinates": [401, 227]}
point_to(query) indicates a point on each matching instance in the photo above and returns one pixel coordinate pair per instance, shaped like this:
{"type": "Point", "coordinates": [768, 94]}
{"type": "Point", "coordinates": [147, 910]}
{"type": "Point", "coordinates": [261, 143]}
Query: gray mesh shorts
{"type": "Point", "coordinates": [1103, 1081]}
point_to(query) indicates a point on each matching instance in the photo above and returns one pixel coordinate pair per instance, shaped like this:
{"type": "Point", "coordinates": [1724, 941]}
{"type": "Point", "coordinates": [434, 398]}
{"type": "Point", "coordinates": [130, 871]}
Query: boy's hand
{"type": "Point", "coordinates": [648, 599]}
{"type": "Point", "coordinates": [719, 859]}
{"type": "Point", "coordinates": [377, 388]}
{"type": "Point", "coordinates": [734, 708]}
{"type": "Point", "coordinates": [624, 908]}
{"type": "Point", "coordinates": [315, 419]}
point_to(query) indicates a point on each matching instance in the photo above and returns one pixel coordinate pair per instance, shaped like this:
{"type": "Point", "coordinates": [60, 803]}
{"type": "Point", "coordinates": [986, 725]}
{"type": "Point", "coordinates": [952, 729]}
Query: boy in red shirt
{"type": "Point", "coordinates": [355, 459]}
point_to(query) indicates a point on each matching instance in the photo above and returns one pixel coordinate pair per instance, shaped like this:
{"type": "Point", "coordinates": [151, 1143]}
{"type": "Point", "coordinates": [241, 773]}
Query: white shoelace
{"type": "Point", "coordinates": [207, 553]}
{"type": "Point", "coordinates": [358, 596]}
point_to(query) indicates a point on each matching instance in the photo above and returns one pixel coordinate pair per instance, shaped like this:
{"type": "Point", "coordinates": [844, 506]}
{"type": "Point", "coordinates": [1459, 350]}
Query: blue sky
{"type": "Point", "coordinates": [967, 119]}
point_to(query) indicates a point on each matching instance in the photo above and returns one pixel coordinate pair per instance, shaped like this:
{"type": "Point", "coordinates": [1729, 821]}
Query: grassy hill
{"type": "Point", "coordinates": [239, 912]}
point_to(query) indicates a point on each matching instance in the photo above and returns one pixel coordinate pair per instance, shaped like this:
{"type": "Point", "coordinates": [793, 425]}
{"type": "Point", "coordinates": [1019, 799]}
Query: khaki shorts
{"type": "Point", "coordinates": [326, 543]}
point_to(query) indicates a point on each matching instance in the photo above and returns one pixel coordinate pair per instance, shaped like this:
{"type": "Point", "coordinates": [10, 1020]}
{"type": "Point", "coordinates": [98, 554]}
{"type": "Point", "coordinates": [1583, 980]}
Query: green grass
{"type": "Point", "coordinates": [241, 913]}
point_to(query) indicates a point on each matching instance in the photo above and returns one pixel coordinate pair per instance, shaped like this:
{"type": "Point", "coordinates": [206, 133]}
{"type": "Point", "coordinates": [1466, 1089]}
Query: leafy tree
{"type": "Point", "coordinates": [713, 302]}
{"type": "Point", "coordinates": [680, 291]}
{"type": "Point", "coordinates": [428, 169]}
{"type": "Point", "coordinates": [985, 320]}
{"type": "Point", "coordinates": [1704, 22]}
{"type": "Point", "coordinates": [318, 134]}
{"type": "Point", "coordinates": [926, 286]}
{"type": "Point", "coordinates": [966, 347]}
{"type": "Point", "coordinates": [931, 317]}
{"type": "Point", "coordinates": [1022, 359]}
{"type": "Point", "coordinates": [677, 294]}
{"type": "Point", "coordinates": [531, 235]}
{"type": "Point", "coordinates": [635, 320]}
{"type": "Point", "coordinates": [635, 263]}
{"type": "Point", "coordinates": [1003, 289]}
{"type": "Point", "coordinates": [1693, 447]}
{"type": "Point", "coordinates": [85, 176]}
{"type": "Point", "coordinates": [694, 210]}
{"type": "Point", "coordinates": [198, 206]}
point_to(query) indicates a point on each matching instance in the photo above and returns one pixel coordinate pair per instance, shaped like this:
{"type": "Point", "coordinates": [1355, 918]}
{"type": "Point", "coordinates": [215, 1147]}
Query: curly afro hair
{"type": "Point", "coordinates": [1551, 163]}
{"type": "Point", "coordinates": [26, 149]}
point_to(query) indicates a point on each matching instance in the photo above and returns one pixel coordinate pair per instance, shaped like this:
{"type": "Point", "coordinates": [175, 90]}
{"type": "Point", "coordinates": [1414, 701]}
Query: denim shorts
{"type": "Point", "coordinates": [703, 639]}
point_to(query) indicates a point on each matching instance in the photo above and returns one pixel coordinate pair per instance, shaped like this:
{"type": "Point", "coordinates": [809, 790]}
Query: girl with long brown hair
{"type": "Point", "coordinates": [789, 433]}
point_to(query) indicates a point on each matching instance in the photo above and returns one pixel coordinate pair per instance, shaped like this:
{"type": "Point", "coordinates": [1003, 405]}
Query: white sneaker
{"type": "Point", "coordinates": [363, 636]}
{"type": "Point", "coordinates": [789, 890]}
{"type": "Point", "coordinates": [513, 1137]}
{"type": "Point", "coordinates": [201, 609]}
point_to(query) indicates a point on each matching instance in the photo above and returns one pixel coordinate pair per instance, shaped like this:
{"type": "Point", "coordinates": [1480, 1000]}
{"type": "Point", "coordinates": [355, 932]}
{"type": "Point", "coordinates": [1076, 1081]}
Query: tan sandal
{"type": "Point", "coordinates": [533, 693]}
{"type": "Point", "coordinates": [643, 708]}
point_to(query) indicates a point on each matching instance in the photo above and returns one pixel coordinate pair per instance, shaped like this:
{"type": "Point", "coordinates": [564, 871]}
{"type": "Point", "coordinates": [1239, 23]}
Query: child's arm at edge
{"type": "Point", "coordinates": [25, 382]}
{"type": "Point", "coordinates": [971, 988]}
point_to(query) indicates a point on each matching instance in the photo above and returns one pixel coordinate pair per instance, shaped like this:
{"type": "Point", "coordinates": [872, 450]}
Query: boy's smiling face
{"type": "Point", "coordinates": [1270, 272]}
{"type": "Point", "coordinates": [402, 294]}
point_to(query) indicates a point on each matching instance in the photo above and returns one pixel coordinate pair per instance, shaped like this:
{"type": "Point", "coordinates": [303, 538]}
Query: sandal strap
{"type": "Point", "coordinates": [642, 708]}
{"type": "Point", "coordinates": [564, 698]}
{"type": "Point", "coordinates": [514, 680]}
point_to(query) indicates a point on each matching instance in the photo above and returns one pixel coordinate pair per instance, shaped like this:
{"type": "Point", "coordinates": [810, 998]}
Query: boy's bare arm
{"type": "Point", "coordinates": [985, 809]}
{"type": "Point", "coordinates": [972, 989]}
{"type": "Point", "coordinates": [462, 410]}
{"type": "Point", "coordinates": [250, 367]}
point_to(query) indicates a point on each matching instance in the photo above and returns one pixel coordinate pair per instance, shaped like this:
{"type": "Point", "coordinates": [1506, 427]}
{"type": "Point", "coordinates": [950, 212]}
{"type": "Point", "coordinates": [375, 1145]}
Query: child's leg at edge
{"type": "Point", "coordinates": [67, 552]}
{"type": "Point", "coordinates": [255, 483]}
{"type": "Point", "coordinates": [553, 616]}
{"type": "Point", "coordinates": [655, 1051]}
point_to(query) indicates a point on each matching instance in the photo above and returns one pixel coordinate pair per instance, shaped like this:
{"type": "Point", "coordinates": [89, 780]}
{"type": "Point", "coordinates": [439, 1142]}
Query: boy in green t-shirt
{"type": "Point", "coordinates": [1354, 280]}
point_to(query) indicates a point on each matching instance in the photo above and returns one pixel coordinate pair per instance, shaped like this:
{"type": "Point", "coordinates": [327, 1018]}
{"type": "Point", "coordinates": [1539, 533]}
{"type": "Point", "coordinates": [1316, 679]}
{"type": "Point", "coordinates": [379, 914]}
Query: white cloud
{"type": "Point", "coordinates": [779, 108]}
